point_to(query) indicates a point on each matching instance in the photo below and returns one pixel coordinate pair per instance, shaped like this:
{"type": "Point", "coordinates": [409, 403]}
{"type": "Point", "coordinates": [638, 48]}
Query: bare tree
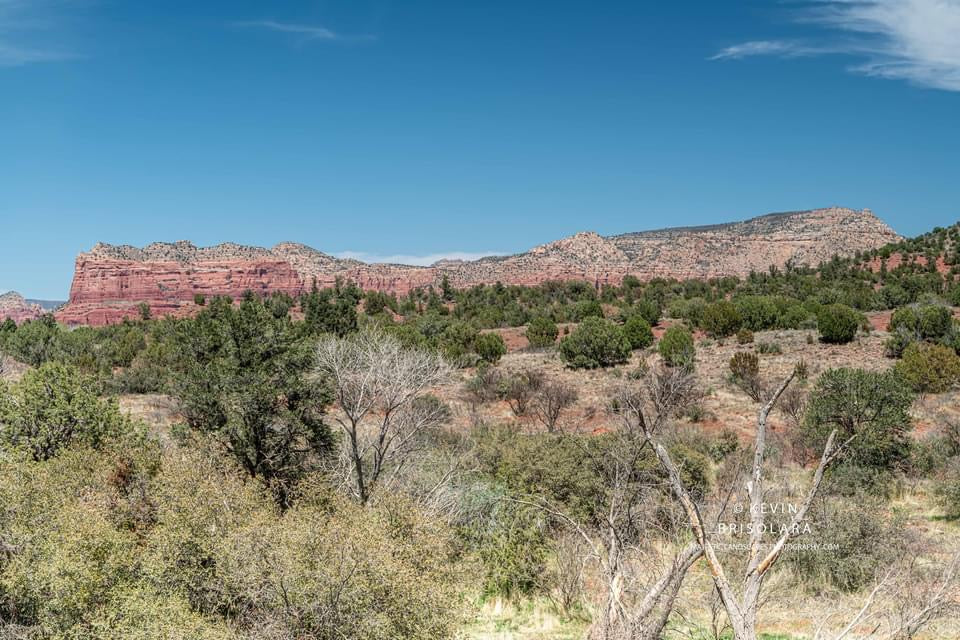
{"type": "Point", "coordinates": [634, 608]}
{"type": "Point", "coordinates": [918, 592]}
{"type": "Point", "coordinates": [551, 401]}
{"type": "Point", "coordinates": [382, 394]}
{"type": "Point", "coordinates": [742, 607]}
{"type": "Point", "coordinates": [520, 388]}
{"type": "Point", "coordinates": [565, 582]}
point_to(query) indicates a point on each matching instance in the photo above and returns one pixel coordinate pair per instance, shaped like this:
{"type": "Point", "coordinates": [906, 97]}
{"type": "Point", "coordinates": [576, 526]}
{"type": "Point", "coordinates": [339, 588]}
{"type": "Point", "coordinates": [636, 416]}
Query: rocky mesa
{"type": "Point", "coordinates": [111, 281]}
{"type": "Point", "coordinates": [15, 307]}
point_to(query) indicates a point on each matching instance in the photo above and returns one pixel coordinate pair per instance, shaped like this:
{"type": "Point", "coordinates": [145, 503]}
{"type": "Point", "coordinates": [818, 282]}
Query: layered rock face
{"type": "Point", "coordinates": [111, 281]}
{"type": "Point", "coordinates": [13, 306]}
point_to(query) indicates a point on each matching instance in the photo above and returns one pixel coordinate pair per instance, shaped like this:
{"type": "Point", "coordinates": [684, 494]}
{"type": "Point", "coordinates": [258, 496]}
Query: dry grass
{"type": "Point", "coordinates": [726, 406]}
{"type": "Point", "coordinates": [528, 620]}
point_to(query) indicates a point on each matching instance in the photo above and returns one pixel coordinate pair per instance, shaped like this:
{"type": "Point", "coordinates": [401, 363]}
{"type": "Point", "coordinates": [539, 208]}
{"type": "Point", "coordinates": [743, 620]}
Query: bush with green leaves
{"type": "Point", "coordinates": [457, 340]}
{"type": "Point", "coordinates": [868, 539]}
{"type": "Point", "coordinates": [869, 409]}
{"type": "Point", "coordinates": [744, 365]}
{"type": "Point", "coordinates": [638, 332]}
{"type": "Point", "coordinates": [837, 323]}
{"type": "Point", "coordinates": [539, 463]}
{"type": "Point", "coordinates": [690, 310]}
{"type": "Point", "coordinates": [586, 309]}
{"type": "Point", "coordinates": [744, 336]}
{"type": "Point", "coordinates": [324, 568]}
{"type": "Point", "coordinates": [923, 322]}
{"type": "Point", "coordinates": [509, 537]}
{"type": "Point", "coordinates": [33, 342]}
{"type": "Point", "coordinates": [796, 316]}
{"type": "Point", "coordinates": [331, 310]}
{"type": "Point", "coordinates": [54, 407]}
{"type": "Point", "coordinates": [929, 322]}
{"type": "Point", "coordinates": [758, 313]}
{"type": "Point", "coordinates": [769, 347]}
{"type": "Point", "coordinates": [490, 347]}
{"type": "Point", "coordinates": [596, 342]}
{"type": "Point", "coordinates": [721, 319]}
{"type": "Point", "coordinates": [541, 332]}
{"type": "Point", "coordinates": [243, 374]}
{"type": "Point", "coordinates": [648, 308]}
{"type": "Point", "coordinates": [676, 346]}
{"type": "Point", "coordinates": [929, 368]}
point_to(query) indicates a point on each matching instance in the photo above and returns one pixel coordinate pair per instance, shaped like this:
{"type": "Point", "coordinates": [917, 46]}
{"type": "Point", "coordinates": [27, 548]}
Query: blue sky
{"type": "Point", "coordinates": [426, 128]}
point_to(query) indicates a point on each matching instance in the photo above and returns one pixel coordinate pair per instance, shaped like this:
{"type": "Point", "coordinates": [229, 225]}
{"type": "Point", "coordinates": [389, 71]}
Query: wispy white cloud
{"type": "Point", "coordinates": [913, 40]}
{"type": "Point", "coordinates": [421, 260]}
{"type": "Point", "coordinates": [783, 48]}
{"type": "Point", "coordinates": [26, 28]}
{"type": "Point", "coordinates": [306, 32]}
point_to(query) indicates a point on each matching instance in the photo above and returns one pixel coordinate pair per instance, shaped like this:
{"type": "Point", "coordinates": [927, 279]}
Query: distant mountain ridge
{"type": "Point", "coordinates": [110, 281]}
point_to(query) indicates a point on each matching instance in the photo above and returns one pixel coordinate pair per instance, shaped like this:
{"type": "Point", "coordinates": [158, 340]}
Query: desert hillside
{"type": "Point", "coordinates": [111, 281]}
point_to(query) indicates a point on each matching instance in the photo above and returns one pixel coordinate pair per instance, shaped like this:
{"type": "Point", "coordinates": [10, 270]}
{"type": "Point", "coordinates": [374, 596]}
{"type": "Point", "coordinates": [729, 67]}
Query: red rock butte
{"type": "Point", "coordinates": [110, 282]}
{"type": "Point", "coordinates": [13, 306]}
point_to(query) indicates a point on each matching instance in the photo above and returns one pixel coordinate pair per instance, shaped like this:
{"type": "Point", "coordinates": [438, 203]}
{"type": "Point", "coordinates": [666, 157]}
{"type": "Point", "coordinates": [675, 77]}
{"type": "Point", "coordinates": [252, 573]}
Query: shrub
{"type": "Point", "coordinates": [870, 407]}
{"type": "Point", "coordinates": [923, 322]}
{"type": "Point", "coordinates": [869, 540]}
{"type": "Point", "coordinates": [744, 365]}
{"type": "Point", "coordinates": [551, 401]}
{"type": "Point", "coordinates": [796, 317]}
{"type": "Point", "coordinates": [541, 332]}
{"type": "Point", "coordinates": [721, 319]}
{"type": "Point", "coordinates": [34, 342]}
{"type": "Point", "coordinates": [948, 490]}
{"type": "Point", "coordinates": [490, 347]}
{"type": "Point", "coordinates": [676, 346]}
{"type": "Point", "coordinates": [929, 368]}
{"type": "Point", "coordinates": [745, 372]}
{"type": "Point", "coordinates": [758, 312]}
{"type": "Point", "coordinates": [896, 344]}
{"type": "Point", "coordinates": [769, 347]}
{"type": "Point", "coordinates": [458, 342]}
{"type": "Point", "coordinates": [242, 374]}
{"type": "Point", "coordinates": [723, 444]}
{"type": "Point", "coordinates": [649, 309]}
{"type": "Point", "coordinates": [694, 468]}
{"type": "Point", "coordinates": [519, 389]}
{"type": "Point", "coordinates": [691, 310]}
{"type": "Point", "coordinates": [744, 336]}
{"type": "Point", "coordinates": [486, 385]}
{"type": "Point", "coordinates": [837, 323]}
{"type": "Point", "coordinates": [638, 332]}
{"type": "Point", "coordinates": [54, 407]}
{"type": "Point", "coordinates": [584, 309]}
{"type": "Point", "coordinates": [595, 343]}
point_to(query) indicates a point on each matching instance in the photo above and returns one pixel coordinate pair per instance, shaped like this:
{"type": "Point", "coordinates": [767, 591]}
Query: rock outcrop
{"type": "Point", "coordinates": [13, 306]}
{"type": "Point", "coordinates": [111, 281]}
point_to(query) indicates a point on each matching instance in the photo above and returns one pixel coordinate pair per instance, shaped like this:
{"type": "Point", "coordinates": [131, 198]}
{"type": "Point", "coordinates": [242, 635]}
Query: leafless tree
{"type": "Point", "coordinates": [384, 406]}
{"type": "Point", "coordinates": [565, 583]}
{"type": "Point", "coordinates": [921, 590]}
{"type": "Point", "coordinates": [520, 389]}
{"type": "Point", "coordinates": [742, 607]}
{"type": "Point", "coordinates": [551, 401]}
{"type": "Point", "coordinates": [640, 579]}
{"type": "Point", "coordinates": [635, 606]}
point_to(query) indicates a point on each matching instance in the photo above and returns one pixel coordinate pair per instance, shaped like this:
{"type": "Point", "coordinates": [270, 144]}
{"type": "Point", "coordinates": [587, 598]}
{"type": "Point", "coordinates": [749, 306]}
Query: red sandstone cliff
{"type": "Point", "coordinates": [110, 281]}
{"type": "Point", "coordinates": [13, 306]}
